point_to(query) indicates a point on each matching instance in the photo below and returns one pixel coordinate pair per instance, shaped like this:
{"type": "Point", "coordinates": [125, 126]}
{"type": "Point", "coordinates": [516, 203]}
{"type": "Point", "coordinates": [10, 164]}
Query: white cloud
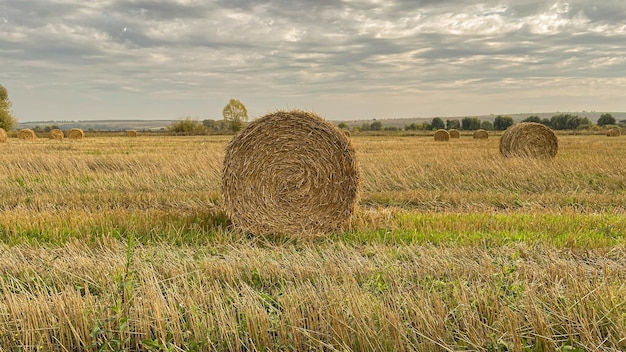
{"type": "Point", "coordinates": [272, 53]}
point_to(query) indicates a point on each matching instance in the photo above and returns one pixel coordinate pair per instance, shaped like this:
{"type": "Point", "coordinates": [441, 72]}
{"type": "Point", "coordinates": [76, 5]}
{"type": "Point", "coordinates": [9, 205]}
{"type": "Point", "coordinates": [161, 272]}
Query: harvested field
{"type": "Point", "coordinates": [117, 243]}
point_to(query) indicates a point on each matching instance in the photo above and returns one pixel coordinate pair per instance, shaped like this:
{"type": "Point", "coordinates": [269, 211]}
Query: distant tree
{"type": "Point", "coordinates": [470, 123]}
{"type": "Point", "coordinates": [437, 123]}
{"type": "Point", "coordinates": [501, 123]}
{"type": "Point", "coordinates": [622, 123]}
{"type": "Point", "coordinates": [565, 122]}
{"type": "Point", "coordinates": [213, 125]}
{"type": "Point", "coordinates": [532, 118]}
{"type": "Point", "coordinates": [453, 124]}
{"type": "Point", "coordinates": [376, 126]}
{"type": "Point", "coordinates": [187, 127]}
{"type": "Point", "coordinates": [411, 127]}
{"type": "Point", "coordinates": [606, 119]}
{"type": "Point", "coordinates": [546, 122]}
{"type": "Point", "coordinates": [235, 114]}
{"type": "Point", "coordinates": [343, 126]}
{"type": "Point", "coordinates": [390, 128]}
{"type": "Point", "coordinates": [7, 120]}
{"type": "Point", "coordinates": [366, 127]}
{"type": "Point", "coordinates": [486, 125]}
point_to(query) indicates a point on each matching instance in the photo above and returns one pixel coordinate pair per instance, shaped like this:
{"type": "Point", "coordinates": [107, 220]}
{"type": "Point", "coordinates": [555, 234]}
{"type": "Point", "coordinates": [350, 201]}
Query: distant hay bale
{"type": "Point", "coordinates": [614, 132]}
{"type": "Point", "coordinates": [3, 135]}
{"type": "Point", "coordinates": [26, 134]}
{"type": "Point", "coordinates": [454, 133]}
{"type": "Point", "coordinates": [529, 139]}
{"type": "Point", "coordinates": [442, 135]}
{"type": "Point", "coordinates": [131, 133]}
{"type": "Point", "coordinates": [481, 134]}
{"type": "Point", "coordinates": [290, 172]}
{"type": "Point", "coordinates": [56, 134]}
{"type": "Point", "coordinates": [75, 133]}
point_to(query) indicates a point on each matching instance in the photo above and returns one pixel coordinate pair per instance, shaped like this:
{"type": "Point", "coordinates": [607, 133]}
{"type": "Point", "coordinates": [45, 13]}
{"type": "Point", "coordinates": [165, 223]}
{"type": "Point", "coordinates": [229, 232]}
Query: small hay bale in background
{"type": "Point", "coordinates": [481, 134]}
{"type": "Point", "coordinates": [454, 133]}
{"type": "Point", "coordinates": [346, 133]}
{"type": "Point", "coordinates": [442, 135]}
{"type": "Point", "coordinates": [614, 132]}
{"type": "Point", "coordinates": [529, 139]}
{"type": "Point", "coordinates": [75, 133]}
{"type": "Point", "coordinates": [26, 134]}
{"type": "Point", "coordinates": [3, 135]}
{"type": "Point", "coordinates": [56, 134]}
{"type": "Point", "coordinates": [290, 172]}
{"type": "Point", "coordinates": [131, 133]}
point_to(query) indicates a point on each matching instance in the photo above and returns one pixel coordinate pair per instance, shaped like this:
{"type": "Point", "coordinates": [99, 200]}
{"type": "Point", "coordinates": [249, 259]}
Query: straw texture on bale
{"type": "Point", "coordinates": [75, 133]}
{"type": "Point", "coordinates": [3, 135]}
{"type": "Point", "coordinates": [454, 133]}
{"type": "Point", "coordinates": [529, 139]}
{"type": "Point", "coordinates": [131, 133]}
{"type": "Point", "coordinates": [346, 133]}
{"type": "Point", "coordinates": [290, 172]}
{"type": "Point", "coordinates": [26, 134]}
{"type": "Point", "coordinates": [614, 132]}
{"type": "Point", "coordinates": [442, 135]}
{"type": "Point", "coordinates": [481, 134]}
{"type": "Point", "coordinates": [56, 134]}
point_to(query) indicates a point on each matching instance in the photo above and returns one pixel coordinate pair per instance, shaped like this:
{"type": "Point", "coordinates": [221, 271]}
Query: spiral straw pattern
{"type": "Point", "coordinates": [290, 172]}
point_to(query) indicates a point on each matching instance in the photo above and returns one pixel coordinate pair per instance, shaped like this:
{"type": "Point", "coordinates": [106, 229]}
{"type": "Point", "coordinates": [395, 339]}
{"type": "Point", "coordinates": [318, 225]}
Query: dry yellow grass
{"type": "Point", "coordinates": [486, 253]}
{"type": "Point", "coordinates": [3, 135]}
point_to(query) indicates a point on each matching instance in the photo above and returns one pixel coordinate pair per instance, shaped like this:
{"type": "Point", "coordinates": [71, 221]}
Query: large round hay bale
{"type": "Point", "coordinates": [131, 133]}
{"type": "Point", "coordinates": [614, 132]}
{"type": "Point", "coordinates": [442, 135]}
{"type": "Point", "coordinates": [3, 135]}
{"type": "Point", "coordinates": [290, 172]}
{"type": "Point", "coordinates": [481, 134]}
{"type": "Point", "coordinates": [26, 134]}
{"type": "Point", "coordinates": [529, 139]}
{"type": "Point", "coordinates": [75, 133]}
{"type": "Point", "coordinates": [454, 133]}
{"type": "Point", "coordinates": [56, 134]}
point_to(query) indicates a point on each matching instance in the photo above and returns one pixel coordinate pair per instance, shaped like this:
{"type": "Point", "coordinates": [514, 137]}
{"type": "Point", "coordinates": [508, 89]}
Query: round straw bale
{"type": "Point", "coordinates": [614, 132]}
{"type": "Point", "coordinates": [290, 172]}
{"type": "Point", "coordinates": [346, 133]}
{"type": "Point", "coordinates": [56, 134]}
{"type": "Point", "coordinates": [454, 133]}
{"type": "Point", "coordinates": [131, 133]}
{"type": "Point", "coordinates": [26, 134]}
{"type": "Point", "coordinates": [529, 139]}
{"type": "Point", "coordinates": [442, 135]}
{"type": "Point", "coordinates": [75, 133]}
{"type": "Point", "coordinates": [3, 135]}
{"type": "Point", "coordinates": [481, 134]}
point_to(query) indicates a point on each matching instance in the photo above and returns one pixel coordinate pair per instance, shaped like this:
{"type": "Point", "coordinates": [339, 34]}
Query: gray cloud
{"type": "Point", "coordinates": [344, 59]}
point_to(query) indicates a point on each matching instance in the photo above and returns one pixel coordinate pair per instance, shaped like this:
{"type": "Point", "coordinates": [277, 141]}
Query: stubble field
{"type": "Point", "coordinates": [116, 243]}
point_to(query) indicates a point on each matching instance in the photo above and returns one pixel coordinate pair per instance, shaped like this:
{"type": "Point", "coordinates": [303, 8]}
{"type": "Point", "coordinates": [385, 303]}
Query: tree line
{"type": "Point", "coordinates": [500, 123]}
{"type": "Point", "coordinates": [235, 115]}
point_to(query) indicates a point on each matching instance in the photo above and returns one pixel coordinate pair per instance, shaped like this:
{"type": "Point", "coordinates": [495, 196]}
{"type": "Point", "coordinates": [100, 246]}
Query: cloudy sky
{"type": "Point", "coordinates": [344, 59]}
